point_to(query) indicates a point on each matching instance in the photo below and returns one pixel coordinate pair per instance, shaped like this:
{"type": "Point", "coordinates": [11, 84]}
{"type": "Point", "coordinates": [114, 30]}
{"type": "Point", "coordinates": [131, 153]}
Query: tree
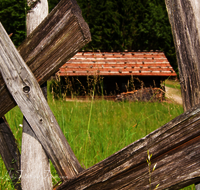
{"type": "Point", "coordinates": [132, 25]}
{"type": "Point", "coordinates": [114, 24]}
{"type": "Point", "coordinates": [12, 16]}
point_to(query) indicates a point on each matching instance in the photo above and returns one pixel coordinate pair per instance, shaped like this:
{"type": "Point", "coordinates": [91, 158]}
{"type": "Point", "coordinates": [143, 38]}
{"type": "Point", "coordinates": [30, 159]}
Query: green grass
{"type": "Point", "coordinates": [96, 130]}
{"type": "Point", "coordinates": [113, 125]}
{"type": "Point", "coordinates": [172, 84]}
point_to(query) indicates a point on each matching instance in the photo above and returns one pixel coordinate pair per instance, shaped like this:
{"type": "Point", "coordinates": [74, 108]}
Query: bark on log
{"type": "Point", "coordinates": [28, 95]}
{"type": "Point", "coordinates": [175, 148]}
{"type": "Point", "coordinates": [184, 17]}
{"type": "Point", "coordinates": [10, 153]}
{"type": "Point", "coordinates": [35, 166]}
{"type": "Point", "coordinates": [62, 33]}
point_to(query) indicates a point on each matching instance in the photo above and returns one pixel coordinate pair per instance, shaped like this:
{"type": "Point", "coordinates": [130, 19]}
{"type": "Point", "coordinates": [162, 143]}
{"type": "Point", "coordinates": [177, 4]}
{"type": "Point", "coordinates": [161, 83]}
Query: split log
{"type": "Point", "coordinates": [185, 23]}
{"type": "Point", "coordinates": [27, 93]}
{"type": "Point", "coordinates": [176, 151]}
{"type": "Point", "coordinates": [35, 165]}
{"type": "Point", "coordinates": [58, 38]}
{"type": "Point", "coordinates": [10, 153]}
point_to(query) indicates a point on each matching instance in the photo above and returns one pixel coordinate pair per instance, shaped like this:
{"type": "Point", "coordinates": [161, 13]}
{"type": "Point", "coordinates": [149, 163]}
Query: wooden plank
{"type": "Point", "coordinates": [35, 166]}
{"type": "Point", "coordinates": [24, 88]}
{"type": "Point", "coordinates": [62, 33]}
{"type": "Point", "coordinates": [175, 148]}
{"type": "Point", "coordinates": [184, 19]}
{"type": "Point", "coordinates": [10, 153]}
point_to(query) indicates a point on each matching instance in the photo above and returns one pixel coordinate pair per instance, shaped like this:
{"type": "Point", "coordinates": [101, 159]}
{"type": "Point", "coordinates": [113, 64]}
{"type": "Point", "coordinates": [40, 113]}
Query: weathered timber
{"type": "Point", "coordinates": [175, 148]}
{"type": "Point", "coordinates": [62, 33]}
{"type": "Point", "coordinates": [26, 91]}
{"type": "Point", "coordinates": [184, 17]}
{"type": "Point", "coordinates": [10, 153]}
{"type": "Point", "coordinates": [35, 164]}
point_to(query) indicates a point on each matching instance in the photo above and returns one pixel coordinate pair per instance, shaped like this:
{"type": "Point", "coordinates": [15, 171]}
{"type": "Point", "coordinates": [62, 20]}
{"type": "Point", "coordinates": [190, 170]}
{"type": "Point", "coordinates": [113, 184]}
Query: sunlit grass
{"type": "Point", "coordinates": [173, 84]}
{"type": "Point", "coordinates": [113, 126]}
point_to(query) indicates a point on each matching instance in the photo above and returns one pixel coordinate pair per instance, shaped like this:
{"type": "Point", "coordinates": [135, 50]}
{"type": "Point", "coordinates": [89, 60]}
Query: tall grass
{"type": "Point", "coordinates": [112, 126]}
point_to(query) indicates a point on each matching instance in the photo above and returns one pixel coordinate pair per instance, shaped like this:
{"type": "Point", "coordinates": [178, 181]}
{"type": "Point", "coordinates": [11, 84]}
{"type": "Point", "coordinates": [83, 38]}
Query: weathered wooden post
{"type": "Point", "coordinates": [184, 17]}
{"type": "Point", "coordinates": [35, 166]}
{"type": "Point", "coordinates": [29, 97]}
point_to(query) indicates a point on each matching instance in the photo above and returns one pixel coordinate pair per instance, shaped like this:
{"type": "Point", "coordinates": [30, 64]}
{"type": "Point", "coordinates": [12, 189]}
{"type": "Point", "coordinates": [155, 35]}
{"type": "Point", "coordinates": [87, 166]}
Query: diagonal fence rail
{"type": "Point", "coordinates": [175, 146]}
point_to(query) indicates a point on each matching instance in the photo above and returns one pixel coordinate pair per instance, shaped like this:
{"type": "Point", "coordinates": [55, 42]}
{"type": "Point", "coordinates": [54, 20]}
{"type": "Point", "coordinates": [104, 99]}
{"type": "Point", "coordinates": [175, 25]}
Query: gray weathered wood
{"type": "Point", "coordinates": [10, 153]}
{"type": "Point", "coordinates": [62, 33]}
{"type": "Point", "coordinates": [27, 93]}
{"type": "Point", "coordinates": [184, 17]}
{"type": "Point", "coordinates": [175, 148]}
{"type": "Point", "coordinates": [35, 164]}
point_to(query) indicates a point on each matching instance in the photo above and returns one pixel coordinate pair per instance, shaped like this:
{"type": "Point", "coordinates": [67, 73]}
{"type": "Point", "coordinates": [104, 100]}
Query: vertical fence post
{"type": "Point", "coordinates": [184, 19]}
{"type": "Point", "coordinates": [35, 164]}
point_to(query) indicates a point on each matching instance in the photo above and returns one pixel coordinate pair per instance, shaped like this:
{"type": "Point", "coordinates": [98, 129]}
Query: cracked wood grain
{"type": "Point", "coordinates": [184, 17]}
{"type": "Point", "coordinates": [35, 165]}
{"type": "Point", "coordinates": [27, 93]}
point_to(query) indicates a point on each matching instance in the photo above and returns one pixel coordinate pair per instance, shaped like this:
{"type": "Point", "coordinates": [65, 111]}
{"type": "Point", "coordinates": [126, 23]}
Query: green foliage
{"type": "Point", "coordinates": [52, 4]}
{"type": "Point", "coordinates": [12, 16]}
{"type": "Point", "coordinates": [114, 24]}
{"type": "Point", "coordinates": [132, 25]}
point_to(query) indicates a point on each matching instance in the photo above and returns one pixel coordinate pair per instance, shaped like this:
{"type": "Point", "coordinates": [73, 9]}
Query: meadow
{"type": "Point", "coordinates": [97, 129]}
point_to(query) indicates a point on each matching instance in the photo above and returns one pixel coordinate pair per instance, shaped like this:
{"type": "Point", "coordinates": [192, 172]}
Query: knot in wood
{"type": "Point", "coordinates": [26, 89]}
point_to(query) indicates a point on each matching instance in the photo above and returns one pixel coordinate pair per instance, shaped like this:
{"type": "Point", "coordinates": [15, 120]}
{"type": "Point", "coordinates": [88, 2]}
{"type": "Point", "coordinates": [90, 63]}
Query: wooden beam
{"type": "Point", "coordinates": [176, 151]}
{"type": "Point", "coordinates": [185, 23]}
{"type": "Point", "coordinates": [35, 166]}
{"type": "Point", "coordinates": [184, 19]}
{"type": "Point", "coordinates": [58, 38]}
{"type": "Point", "coordinates": [27, 93]}
{"type": "Point", "coordinates": [10, 153]}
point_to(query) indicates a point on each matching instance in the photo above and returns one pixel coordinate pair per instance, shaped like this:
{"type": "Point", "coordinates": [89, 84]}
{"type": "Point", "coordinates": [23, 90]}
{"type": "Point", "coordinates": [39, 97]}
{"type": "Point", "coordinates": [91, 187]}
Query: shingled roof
{"type": "Point", "coordinates": [118, 64]}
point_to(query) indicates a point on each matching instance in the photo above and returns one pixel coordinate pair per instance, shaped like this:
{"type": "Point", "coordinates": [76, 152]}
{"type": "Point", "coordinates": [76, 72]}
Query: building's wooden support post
{"type": "Point", "coordinates": [184, 17]}
{"type": "Point", "coordinates": [27, 93]}
{"type": "Point", "coordinates": [58, 38]}
{"type": "Point", "coordinates": [35, 164]}
{"type": "Point", "coordinates": [10, 153]}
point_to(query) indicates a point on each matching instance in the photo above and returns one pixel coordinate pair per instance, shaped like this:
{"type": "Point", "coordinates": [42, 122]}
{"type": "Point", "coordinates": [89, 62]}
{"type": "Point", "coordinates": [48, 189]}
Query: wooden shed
{"type": "Point", "coordinates": [120, 71]}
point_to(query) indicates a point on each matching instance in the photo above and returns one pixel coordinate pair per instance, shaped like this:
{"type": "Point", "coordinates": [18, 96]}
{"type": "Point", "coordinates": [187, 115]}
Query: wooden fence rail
{"type": "Point", "coordinates": [28, 95]}
{"type": "Point", "coordinates": [175, 146]}
{"type": "Point", "coordinates": [35, 164]}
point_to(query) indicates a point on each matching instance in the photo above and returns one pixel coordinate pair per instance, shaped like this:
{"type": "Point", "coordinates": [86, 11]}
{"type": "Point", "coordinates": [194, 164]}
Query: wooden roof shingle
{"type": "Point", "coordinates": [117, 64]}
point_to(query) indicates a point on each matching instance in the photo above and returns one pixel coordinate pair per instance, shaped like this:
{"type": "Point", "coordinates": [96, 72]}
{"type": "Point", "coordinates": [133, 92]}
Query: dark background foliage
{"type": "Point", "coordinates": [114, 24]}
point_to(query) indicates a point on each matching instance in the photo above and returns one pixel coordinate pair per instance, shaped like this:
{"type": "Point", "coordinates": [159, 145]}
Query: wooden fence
{"type": "Point", "coordinates": [175, 146]}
